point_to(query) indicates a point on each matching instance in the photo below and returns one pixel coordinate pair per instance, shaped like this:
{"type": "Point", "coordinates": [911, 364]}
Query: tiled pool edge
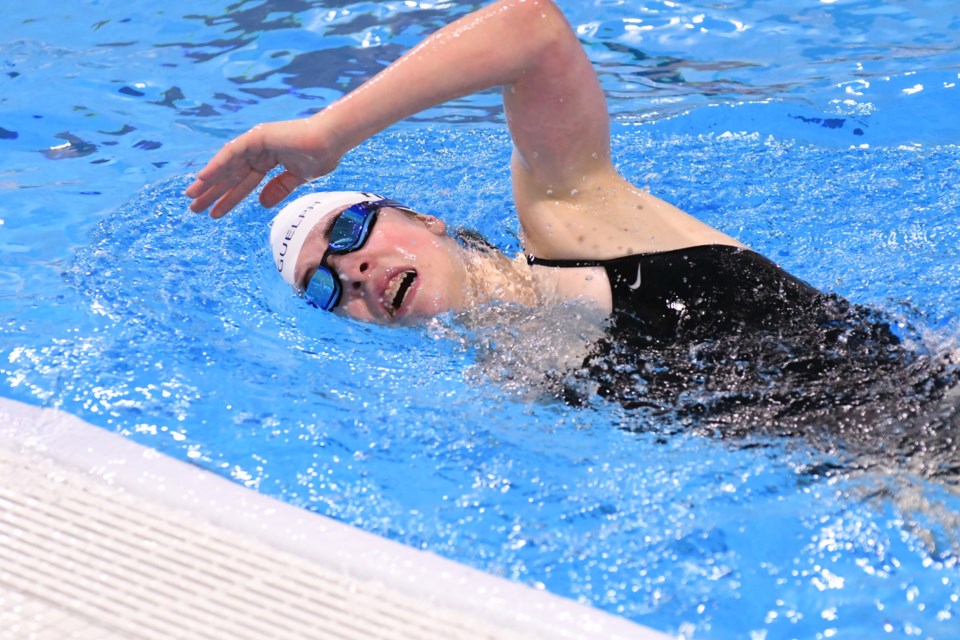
{"type": "Point", "coordinates": [488, 606]}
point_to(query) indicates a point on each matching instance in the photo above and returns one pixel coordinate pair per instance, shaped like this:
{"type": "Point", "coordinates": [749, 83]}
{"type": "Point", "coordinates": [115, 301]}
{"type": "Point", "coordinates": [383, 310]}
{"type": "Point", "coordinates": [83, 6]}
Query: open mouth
{"type": "Point", "coordinates": [397, 290]}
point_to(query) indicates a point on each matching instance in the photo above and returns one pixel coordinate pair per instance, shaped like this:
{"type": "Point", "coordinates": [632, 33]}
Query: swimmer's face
{"type": "Point", "coordinates": [408, 270]}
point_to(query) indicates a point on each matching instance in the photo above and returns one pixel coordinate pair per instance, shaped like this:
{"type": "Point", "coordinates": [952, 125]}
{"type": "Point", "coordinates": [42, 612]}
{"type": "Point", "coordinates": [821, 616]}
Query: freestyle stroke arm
{"type": "Point", "coordinates": [526, 46]}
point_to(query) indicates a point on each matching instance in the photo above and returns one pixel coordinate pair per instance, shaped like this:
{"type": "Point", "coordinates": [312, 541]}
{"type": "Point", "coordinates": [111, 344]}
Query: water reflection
{"type": "Point", "coordinates": [654, 60]}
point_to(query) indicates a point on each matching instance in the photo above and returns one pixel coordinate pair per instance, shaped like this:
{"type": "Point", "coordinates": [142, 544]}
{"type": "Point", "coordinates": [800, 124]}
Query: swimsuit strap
{"type": "Point", "coordinates": [533, 260]}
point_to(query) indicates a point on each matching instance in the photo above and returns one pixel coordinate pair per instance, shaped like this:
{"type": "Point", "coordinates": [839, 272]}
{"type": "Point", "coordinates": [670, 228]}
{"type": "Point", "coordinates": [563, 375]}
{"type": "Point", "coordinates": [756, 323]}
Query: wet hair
{"type": "Point", "coordinates": [514, 282]}
{"type": "Point", "coordinates": [474, 240]}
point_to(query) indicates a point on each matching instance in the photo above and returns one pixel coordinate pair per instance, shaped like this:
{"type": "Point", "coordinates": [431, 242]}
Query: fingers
{"type": "Point", "coordinates": [196, 188]}
{"type": "Point", "coordinates": [236, 170]}
{"type": "Point", "coordinates": [279, 188]}
{"type": "Point", "coordinates": [234, 196]}
{"type": "Point", "coordinates": [210, 193]}
{"type": "Point", "coordinates": [205, 195]}
{"type": "Point", "coordinates": [206, 192]}
{"type": "Point", "coordinates": [222, 177]}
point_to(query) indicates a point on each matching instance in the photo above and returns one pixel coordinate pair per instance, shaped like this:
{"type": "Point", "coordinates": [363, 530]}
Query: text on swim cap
{"type": "Point", "coordinates": [291, 231]}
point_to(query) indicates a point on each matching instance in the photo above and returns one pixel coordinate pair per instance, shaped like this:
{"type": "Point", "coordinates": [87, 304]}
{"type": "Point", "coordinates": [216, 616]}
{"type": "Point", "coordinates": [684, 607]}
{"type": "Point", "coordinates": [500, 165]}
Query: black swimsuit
{"type": "Point", "coordinates": [721, 339]}
{"type": "Point", "coordinates": [702, 290]}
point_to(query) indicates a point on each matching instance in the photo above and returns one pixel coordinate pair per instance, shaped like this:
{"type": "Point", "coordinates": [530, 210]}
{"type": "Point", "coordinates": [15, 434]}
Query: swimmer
{"type": "Point", "coordinates": [590, 234]}
{"type": "Point", "coordinates": [700, 327]}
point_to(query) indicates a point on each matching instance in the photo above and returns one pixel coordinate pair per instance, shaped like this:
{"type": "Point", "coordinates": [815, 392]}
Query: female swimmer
{"type": "Point", "coordinates": [590, 234]}
{"type": "Point", "coordinates": [700, 327]}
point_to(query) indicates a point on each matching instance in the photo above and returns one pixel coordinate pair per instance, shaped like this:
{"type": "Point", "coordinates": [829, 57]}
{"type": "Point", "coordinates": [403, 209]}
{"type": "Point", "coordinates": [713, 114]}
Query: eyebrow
{"type": "Point", "coordinates": [328, 225]}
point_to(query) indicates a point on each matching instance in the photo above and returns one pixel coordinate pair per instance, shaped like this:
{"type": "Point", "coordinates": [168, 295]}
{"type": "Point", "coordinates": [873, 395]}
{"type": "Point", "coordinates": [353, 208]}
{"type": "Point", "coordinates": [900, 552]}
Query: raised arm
{"type": "Point", "coordinates": [555, 108]}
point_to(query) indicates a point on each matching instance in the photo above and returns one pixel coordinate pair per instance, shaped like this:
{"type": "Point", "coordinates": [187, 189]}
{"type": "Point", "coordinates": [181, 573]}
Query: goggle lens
{"type": "Point", "coordinates": [351, 228]}
{"type": "Point", "coordinates": [324, 289]}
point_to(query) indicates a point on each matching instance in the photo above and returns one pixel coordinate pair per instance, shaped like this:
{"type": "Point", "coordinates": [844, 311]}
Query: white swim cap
{"type": "Point", "coordinates": [292, 225]}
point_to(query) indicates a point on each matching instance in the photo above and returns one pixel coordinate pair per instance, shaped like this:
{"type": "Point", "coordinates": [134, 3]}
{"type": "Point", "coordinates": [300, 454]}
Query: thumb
{"type": "Point", "coordinates": [279, 188]}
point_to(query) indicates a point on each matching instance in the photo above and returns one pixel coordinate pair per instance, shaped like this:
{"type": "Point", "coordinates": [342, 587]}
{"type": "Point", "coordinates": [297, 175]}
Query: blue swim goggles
{"type": "Point", "coordinates": [349, 232]}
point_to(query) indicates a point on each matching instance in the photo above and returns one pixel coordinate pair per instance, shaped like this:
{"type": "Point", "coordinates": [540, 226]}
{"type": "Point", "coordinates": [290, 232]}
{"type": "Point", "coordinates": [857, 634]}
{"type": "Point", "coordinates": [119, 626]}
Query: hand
{"type": "Point", "coordinates": [296, 145]}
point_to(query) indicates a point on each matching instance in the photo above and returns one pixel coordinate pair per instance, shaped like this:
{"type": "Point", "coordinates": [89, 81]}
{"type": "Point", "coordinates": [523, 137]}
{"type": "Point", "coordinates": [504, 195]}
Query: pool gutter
{"type": "Point", "coordinates": [101, 537]}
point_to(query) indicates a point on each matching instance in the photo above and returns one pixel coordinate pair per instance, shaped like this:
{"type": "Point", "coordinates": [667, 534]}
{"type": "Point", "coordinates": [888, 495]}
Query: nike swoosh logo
{"type": "Point", "coordinates": [636, 285]}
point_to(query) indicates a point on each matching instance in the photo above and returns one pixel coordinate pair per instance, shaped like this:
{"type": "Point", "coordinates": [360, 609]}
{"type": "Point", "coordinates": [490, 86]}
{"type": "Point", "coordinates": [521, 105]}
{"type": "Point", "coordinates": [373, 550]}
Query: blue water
{"type": "Point", "coordinates": [822, 134]}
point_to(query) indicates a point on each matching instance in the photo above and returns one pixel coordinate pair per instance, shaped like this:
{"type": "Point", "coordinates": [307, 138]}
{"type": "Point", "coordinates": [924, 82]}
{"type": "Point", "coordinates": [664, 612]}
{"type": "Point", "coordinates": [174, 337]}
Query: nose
{"type": "Point", "coordinates": [353, 268]}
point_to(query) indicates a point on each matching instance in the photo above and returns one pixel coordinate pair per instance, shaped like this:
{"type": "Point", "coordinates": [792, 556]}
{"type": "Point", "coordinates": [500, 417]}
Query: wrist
{"type": "Point", "coordinates": [335, 130]}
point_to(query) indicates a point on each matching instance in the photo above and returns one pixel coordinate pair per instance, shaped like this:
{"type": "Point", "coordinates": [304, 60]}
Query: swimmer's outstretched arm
{"type": "Point", "coordinates": [555, 109]}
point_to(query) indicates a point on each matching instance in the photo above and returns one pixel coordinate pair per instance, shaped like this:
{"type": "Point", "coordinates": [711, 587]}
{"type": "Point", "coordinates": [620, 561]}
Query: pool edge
{"type": "Point", "coordinates": [31, 434]}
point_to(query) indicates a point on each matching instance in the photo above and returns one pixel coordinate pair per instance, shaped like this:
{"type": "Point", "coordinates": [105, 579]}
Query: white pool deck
{"type": "Point", "coordinates": [103, 538]}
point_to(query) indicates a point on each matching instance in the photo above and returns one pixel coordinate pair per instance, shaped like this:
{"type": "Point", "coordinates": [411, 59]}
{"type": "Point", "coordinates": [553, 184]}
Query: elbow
{"type": "Point", "coordinates": [542, 25]}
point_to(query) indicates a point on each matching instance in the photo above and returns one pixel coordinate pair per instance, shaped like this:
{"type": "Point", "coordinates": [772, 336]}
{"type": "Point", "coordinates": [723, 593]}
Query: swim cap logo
{"type": "Point", "coordinates": [291, 231]}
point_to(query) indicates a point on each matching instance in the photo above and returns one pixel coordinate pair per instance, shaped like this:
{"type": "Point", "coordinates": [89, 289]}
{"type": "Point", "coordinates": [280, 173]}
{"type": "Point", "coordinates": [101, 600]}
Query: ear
{"type": "Point", "coordinates": [434, 224]}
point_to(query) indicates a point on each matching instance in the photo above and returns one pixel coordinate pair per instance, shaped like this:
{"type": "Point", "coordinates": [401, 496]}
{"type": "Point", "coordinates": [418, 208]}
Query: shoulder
{"type": "Point", "coordinates": [607, 217]}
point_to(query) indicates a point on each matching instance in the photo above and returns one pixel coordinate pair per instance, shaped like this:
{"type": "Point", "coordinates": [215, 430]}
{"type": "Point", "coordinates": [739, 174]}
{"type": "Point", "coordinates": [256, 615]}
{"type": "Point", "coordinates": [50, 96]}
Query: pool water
{"type": "Point", "coordinates": [822, 134]}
